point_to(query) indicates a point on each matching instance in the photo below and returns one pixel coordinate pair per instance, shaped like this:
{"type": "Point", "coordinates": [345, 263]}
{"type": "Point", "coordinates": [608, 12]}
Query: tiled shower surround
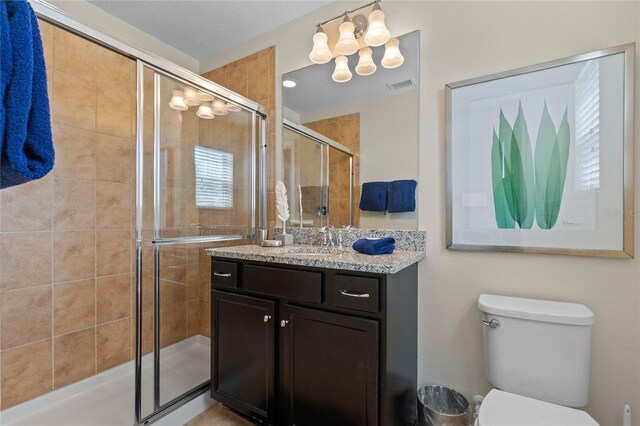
{"type": "Point", "coordinates": [67, 241]}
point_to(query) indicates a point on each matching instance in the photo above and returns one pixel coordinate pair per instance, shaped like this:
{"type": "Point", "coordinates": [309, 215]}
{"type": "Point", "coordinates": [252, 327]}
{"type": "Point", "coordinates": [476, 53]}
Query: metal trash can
{"type": "Point", "coordinates": [441, 406]}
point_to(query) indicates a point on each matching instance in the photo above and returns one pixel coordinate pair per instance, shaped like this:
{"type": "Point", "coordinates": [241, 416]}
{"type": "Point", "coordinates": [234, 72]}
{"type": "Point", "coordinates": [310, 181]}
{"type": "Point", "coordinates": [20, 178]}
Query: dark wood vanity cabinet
{"type": "Point", "coordinates": [314, 347]}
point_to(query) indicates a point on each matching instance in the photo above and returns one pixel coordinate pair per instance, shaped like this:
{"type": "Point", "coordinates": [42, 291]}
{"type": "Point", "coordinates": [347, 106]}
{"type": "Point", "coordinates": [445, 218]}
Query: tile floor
{"type": "Point", "coordinates": [218, 415]}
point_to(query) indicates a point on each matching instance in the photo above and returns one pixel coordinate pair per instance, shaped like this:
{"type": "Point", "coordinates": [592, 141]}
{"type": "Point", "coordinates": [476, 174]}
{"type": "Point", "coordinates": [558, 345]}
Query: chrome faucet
{"type": "Point", "coordinates": [327, 236]}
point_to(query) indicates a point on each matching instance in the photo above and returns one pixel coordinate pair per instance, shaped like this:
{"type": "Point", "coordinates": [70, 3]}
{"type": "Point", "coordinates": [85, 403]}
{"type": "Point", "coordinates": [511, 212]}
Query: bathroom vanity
{"type": "Point", "coordinates": [301, 337]}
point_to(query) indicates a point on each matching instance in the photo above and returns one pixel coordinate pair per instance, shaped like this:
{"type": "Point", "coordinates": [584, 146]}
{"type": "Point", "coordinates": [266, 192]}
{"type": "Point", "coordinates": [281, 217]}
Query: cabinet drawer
{"type": "Point", "coordinates": [305, 286]}
{"type": "Point", "coordinates": [224, 274]}
{"type": "Point", "coordinates": [356, 293]}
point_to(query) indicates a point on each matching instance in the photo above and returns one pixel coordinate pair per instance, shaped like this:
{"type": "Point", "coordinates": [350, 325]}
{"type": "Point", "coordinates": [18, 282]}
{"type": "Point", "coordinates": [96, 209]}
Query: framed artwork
{"type": "Point", "coordinates": [540, 159]}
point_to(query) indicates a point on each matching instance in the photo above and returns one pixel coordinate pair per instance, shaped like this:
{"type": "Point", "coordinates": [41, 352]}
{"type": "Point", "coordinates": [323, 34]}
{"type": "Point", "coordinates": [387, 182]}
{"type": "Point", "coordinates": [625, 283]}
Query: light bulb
{"type": "Point", "coordinates": [191, 96]}
{"type": "Point", "coordinates": [377, 34]}
{"type": "Point", "coordinates": [320, 54]}
{"type": "Point", "coordinates": [205, 111]}
{"type": "Point", "coordinates": [177, 101]}
{"type": "Point", "coordinates": [347, 44]}
{"type": "Point", "coordinates": [392, 56]}
{"type": "Point", "coordinates": [341, 74]}
{"type": "Point", "coordinates": [219, 107]}
{"type": "Point", "coordinates": [366, 66]}
{"type": "Point", "coordinates": [232, 107]}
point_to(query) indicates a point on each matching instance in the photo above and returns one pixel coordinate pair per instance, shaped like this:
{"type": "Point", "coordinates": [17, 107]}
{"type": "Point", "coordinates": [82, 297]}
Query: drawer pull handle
{"type": "Point", "coordinates": [267, 318]}
{"type": "Point", "coordinates": [220, 274]}
{"type": "Point", "coordinates": [352, 293]}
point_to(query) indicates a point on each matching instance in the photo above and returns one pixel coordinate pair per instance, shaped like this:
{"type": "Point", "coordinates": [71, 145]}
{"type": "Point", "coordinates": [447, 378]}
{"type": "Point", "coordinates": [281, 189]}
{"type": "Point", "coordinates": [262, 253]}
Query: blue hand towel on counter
{"type": "Point", "coordinates": [401, 196]}
{"type": "Point", "coordinates": [374, 246]}
{"type": "Point", "coordinates": [26, 143]}
{"type": "Point", "coordinates": [374, 196]}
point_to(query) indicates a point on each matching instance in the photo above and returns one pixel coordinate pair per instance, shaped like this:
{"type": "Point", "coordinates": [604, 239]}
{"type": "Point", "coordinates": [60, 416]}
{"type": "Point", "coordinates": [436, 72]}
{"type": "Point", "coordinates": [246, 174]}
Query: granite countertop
{"type": "Point", "coordinates": [322, 257]}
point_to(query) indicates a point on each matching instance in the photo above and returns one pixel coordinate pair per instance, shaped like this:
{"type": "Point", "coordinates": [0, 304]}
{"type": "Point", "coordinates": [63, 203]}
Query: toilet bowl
{"type": "Point", "coordinates": [508, 409]}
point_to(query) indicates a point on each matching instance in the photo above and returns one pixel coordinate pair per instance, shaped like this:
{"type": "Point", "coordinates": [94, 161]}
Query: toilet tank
{"type": "Point", "coordinates": [538, 348]}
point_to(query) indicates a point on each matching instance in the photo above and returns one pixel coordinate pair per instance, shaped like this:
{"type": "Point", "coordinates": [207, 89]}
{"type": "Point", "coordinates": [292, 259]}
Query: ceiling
{"type": "Point", "coordinates": [315, 91]}
{"type": "Point", "coordinates": [203, 28]}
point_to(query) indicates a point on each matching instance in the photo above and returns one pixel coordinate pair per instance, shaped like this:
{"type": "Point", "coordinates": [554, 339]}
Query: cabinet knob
{"type": "Point", "coordinates": [267, 318]}
{"type": "Point", "coordinates": [284, 323]}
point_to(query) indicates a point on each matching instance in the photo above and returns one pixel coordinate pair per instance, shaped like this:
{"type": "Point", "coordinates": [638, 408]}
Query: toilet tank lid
{"type": "Point", "coordinates": [536, 310]}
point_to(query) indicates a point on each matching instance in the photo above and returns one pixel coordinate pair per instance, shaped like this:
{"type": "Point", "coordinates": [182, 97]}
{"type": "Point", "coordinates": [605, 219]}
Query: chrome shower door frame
{"type": "Point", "coordinates": [258, 190]}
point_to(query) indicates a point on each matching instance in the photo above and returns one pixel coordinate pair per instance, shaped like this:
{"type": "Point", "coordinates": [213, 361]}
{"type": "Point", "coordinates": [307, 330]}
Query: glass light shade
{"type": "Point", "coordinates": [320, 54]}
{"type": "Point", "coordinates": [204, 96]}
{"type": "Point", "coordinates": [232, 107]}
{"type": "Point", "coordinates": [366, 66]}
{"type": "Point", "coordinates": [342, 74]}
{"type": "Point", "coordinates": [219, 107]}
{"type": "Point", "coordinates": [392, 56]}
{"type": "Point", "coordinates": [205, 111]}
{"type": "Point", "coordinates": [191, 96]}
{"type": "Point", "coordinates": [177, 101]}
{"type": "Point", "coordinates": [347, 44]}
{"type": "Point", "coordinates": [377, 34]}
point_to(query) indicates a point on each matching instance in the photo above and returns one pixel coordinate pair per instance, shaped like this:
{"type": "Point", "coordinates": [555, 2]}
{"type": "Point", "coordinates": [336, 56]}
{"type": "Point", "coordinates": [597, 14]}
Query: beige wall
{"type": "Point", "coordinates": [389, 132]}
{"type": "Point", "coordinates": [461, 40]}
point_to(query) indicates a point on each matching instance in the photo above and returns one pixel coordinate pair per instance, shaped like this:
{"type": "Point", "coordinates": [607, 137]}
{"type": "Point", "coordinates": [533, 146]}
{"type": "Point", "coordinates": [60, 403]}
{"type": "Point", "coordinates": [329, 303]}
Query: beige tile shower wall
{"type": "Point", "coordinates": [253, 77]}
{"type": "Point", "coordinates": [344, 129]}
{"type": "Point", "coordinates": [66, 240]}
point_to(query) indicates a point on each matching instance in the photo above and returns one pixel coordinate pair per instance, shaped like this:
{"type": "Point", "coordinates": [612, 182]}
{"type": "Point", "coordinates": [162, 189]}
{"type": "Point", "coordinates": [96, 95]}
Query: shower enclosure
{"type": "Point", "coordinates": [196, 186]}
{"type": "Point", "coordinates": [320, 174]}
{"type": "Point", "coordinates": [142, 185]}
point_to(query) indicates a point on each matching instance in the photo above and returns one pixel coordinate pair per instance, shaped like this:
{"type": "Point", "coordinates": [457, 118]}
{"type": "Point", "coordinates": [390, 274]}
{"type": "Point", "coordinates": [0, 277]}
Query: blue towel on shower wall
{"type": "Point", "coordinates": [375, 246]}
{"type": "Point", "coordinates": [374, 196]}
{"type": "Point", "coordinates": [26, 147]}
{"type": "Point", "coordinates": [401, 196]}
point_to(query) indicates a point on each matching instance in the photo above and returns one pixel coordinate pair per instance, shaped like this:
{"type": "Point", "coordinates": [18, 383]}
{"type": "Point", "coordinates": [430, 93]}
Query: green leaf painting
{"type": "Point", "coordinates": [528, 186]}
{"type": "Point", "coordinates": [500, 169]}
{"type": "Point", "coordinates": [551, 157]}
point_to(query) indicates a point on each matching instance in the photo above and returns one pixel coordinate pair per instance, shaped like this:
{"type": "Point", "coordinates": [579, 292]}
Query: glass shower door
{"type": "Point", "coordinates": [196, 187]}
{"type": "Point", "coordinates": [305, 176]}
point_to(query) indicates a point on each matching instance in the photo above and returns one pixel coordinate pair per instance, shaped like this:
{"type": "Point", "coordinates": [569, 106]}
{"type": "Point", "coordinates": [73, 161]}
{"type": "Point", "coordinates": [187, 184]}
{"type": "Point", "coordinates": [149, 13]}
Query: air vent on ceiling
{"type": "Point", "coordinates": [401, 84]}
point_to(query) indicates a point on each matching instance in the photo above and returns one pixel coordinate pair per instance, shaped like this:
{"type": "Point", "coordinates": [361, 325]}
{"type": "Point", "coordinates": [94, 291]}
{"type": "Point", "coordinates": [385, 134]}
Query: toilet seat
{"type": "Point", "coordinates": [508, 409]}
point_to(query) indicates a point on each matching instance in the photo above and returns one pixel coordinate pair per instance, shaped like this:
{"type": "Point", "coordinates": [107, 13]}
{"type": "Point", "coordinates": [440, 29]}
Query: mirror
{"type": "Point", "coordinates": [339, 136]}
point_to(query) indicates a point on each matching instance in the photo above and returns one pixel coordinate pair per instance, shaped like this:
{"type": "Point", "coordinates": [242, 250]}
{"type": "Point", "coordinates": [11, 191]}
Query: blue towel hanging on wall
{"type": "Point", "coordinates": [374, 196]}
{"type": "Point", "coordinates": [401, 196]}
{"type": "Point", "coordinates": [26, 144]}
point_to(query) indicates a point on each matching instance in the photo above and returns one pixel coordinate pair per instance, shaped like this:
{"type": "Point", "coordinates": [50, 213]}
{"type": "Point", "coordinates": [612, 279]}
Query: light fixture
{"type": "Point", "coordinates": [289, 84]}
{"type": "Point", "coordinates": [366, 66]}
{"type": "Point", "coordinates": [204, 96]}
{"type": "Point", "coordinates": [205, 111]}
{"type": "Point", "coordinates": [320, 54]}
{"type": "Point", "coordinates": [347, 44]}
{"type": "Point", "coordinates": [177, 101]}
{"type": "Point", "coordinates": [191, 96]}
{"type": "Point", "coordinates": [392, 56]}
{"type": "Point", "coordinates": [232, 107]}
{"type": "Point", "coordinates": [354, 25]}
{"type": "Point", "coordinates": [341, 74]}
{"type": "Point", "coordinates": [377, 34]}
{"type": "Point", "coordinates": [219, 107]}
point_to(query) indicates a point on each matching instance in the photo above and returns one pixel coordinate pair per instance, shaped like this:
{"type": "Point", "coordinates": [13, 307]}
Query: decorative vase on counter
{"type": "Point", "coordinates": [282, 206]}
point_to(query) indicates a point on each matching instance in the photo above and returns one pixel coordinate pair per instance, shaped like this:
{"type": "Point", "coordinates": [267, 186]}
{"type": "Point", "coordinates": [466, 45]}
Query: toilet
{"type": "Point", "coordinates": [537, 355]}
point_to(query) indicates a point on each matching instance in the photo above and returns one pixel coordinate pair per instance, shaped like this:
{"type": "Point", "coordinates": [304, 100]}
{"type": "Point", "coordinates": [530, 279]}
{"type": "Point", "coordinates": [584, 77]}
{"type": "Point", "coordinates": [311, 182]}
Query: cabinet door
{"type": "Point", "coordinates": [242, 354]}
{"type": "Point", "coordinates": [329, 369]}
